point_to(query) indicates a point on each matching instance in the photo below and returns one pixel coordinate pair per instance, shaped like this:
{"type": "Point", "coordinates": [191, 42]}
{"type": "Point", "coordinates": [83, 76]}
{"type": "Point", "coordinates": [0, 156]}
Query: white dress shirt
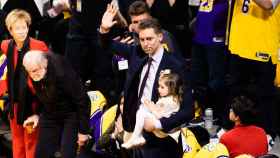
{"type": "Point", "coordinates": [148, 89]}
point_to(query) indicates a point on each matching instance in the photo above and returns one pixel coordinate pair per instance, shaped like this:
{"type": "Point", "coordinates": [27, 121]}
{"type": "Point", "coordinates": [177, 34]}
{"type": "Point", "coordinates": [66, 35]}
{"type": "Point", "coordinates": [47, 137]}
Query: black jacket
{"type": "Point", "coordinates": [62, 91]}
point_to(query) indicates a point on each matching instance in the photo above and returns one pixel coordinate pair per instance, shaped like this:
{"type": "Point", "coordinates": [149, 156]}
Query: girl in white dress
{"type": "Point", "coordinates": [170, 89]}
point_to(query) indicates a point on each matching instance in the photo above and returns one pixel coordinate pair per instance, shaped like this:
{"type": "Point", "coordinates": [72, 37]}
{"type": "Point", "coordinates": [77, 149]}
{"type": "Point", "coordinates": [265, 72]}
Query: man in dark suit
{"type": "Point", "coordinates": [141, 83]}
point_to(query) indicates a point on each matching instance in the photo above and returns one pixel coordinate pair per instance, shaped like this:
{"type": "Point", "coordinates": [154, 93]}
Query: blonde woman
{"type": "Point", "coordinates": [23, 105]}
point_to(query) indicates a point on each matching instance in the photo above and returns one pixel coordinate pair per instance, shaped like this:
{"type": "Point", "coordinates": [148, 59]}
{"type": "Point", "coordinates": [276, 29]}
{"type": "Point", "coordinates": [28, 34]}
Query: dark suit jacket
{"type": "Point", "coordinates": [136, 60]}
{"type": "Point", "coordinates": [62, 92]}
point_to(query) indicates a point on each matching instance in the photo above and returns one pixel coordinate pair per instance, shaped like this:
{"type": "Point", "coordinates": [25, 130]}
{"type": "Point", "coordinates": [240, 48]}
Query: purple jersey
{"type": "Point", "coordinates": [211, 20]}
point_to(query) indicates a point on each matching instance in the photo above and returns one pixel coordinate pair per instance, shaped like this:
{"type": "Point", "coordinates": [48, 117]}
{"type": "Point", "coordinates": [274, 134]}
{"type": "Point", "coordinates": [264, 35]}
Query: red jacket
{"type": "Point", "coordinates": [34, 45]}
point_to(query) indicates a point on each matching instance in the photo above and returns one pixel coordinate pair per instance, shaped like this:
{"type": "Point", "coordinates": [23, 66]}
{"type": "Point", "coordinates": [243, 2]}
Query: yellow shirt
{"type": "Point", "coordinates": [254, 32]}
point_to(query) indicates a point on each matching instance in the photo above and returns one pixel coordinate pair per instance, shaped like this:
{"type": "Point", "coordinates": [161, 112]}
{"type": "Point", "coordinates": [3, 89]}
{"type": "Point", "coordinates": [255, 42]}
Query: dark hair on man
{"type": "Point", "coordinates": [245, 109]}
{"type": "Point", "coordinates": [150, 23]}
{"type": "Point", "coordinates": [137, 8]}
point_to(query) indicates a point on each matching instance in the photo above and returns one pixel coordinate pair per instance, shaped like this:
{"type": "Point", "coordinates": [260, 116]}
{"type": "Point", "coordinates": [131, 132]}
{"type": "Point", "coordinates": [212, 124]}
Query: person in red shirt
{"type": "Point", "coordinates": [245, 137]}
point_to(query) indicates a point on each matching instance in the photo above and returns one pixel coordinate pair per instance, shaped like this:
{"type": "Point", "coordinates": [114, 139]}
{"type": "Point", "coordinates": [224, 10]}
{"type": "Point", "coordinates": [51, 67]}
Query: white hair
{"type": "Point", "coordinates": [35, 57]}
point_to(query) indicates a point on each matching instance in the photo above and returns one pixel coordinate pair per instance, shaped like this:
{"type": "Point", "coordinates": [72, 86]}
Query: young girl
{"type": "Point", "coordinates": [170, 89]}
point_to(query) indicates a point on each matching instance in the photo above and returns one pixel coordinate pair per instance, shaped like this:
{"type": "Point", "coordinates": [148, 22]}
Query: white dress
{"type": "Point", "coordinates": [167, 106]}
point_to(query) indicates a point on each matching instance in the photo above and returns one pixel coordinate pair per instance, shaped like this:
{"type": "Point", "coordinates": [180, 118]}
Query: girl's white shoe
{"type": "Point", "coordinates": [134, 142]}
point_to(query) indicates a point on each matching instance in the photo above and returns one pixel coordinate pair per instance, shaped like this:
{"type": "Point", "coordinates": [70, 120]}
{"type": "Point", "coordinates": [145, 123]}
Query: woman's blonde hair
{"type": "Point", "coordinates": [15, 15]}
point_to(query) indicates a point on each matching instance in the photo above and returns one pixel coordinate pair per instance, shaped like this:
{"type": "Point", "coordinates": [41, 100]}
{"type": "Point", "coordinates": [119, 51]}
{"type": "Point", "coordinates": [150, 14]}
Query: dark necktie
{"type": "Point", "coordinates": [145, 79]}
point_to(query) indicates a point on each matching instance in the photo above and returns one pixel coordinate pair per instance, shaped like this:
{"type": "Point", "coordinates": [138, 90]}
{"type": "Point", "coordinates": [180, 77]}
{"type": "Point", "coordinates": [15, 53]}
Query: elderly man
{"type": "Point", "coordinates": [66, 109]}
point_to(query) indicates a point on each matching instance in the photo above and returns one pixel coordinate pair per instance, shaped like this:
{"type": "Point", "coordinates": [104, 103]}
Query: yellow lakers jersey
{"type": "Point", "coordinates": [254, 32]}
{"type": "Point", "coordinates": [190, 144]}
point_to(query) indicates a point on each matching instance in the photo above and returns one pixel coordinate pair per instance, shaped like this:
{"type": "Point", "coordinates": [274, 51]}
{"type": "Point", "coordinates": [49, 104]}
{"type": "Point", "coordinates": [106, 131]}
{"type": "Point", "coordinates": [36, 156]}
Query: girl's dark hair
{"type": "Point", "coordinates": [174, 83]}
{"type": "Point", "coordinates": [245, 109]}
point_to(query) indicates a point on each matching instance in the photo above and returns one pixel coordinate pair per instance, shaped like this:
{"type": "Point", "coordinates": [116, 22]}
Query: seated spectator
{"type": "Point", "coordinates": [196, 144]}
{"type": "Point", "coordinates": [113, 136]}
{"type": "Point", "coordinates": [245, 137]}
{"type": "Point", "coordinates": [192, 139]}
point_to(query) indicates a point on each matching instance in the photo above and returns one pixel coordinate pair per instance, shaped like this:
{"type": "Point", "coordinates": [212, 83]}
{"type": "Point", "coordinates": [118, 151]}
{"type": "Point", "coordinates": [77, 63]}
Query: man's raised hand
{"type": "Point", "coordinates": [108, 20]}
